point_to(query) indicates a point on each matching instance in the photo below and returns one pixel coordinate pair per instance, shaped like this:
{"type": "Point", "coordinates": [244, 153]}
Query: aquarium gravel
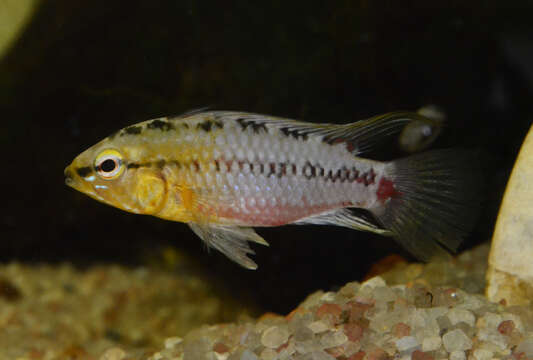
{"type": "Point", "coordinates": [371, 321]}
{"type": "Point", "coordinates": [114, 313]}
{"type": "Point", "coordinates": [59, 312]}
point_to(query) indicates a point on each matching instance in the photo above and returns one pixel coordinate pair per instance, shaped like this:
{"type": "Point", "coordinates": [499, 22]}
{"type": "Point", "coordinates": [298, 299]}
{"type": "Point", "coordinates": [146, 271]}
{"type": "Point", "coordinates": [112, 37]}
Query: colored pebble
{"type": "Point", "coordinates": [506, 327]}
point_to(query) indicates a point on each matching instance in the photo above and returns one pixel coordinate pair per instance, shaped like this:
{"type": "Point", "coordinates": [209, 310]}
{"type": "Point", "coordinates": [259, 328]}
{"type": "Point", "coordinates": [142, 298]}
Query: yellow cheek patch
{"type": "Point", "coordinates": [151, 193]}
{"type": "Point", "coordinates": [187, 198]}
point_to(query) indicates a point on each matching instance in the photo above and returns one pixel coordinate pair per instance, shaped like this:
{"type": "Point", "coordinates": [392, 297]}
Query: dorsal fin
{"type": "Point", "coordinates": [191, 112]}
{"type": "Point", "coordinates": [365, 135]}
{"type": "Point", "coordinates": [360, 136]}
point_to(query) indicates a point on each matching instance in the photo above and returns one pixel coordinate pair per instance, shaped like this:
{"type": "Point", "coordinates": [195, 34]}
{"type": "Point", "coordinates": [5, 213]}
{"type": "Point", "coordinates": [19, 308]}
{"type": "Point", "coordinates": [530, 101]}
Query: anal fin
{"type": "Point", "coordinates": [344, 217]}
{"type": "Point", "coordinates": [232, 241]}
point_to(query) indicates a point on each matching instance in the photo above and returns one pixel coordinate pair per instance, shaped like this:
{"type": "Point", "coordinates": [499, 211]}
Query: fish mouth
{"type": "Point", "coordinates": [73, 180]}
{"type": "Point", "coordinates": [69, 177]}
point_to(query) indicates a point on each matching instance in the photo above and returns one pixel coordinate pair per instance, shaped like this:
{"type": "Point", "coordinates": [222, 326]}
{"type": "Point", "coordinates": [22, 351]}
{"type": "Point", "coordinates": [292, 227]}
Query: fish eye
{"type": "Point", "coordinates": [108, 164]}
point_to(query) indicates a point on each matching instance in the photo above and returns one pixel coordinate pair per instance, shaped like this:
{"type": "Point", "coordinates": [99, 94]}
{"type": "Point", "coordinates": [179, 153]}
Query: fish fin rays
{"type": "Point", "coordinates": [361, 136]}
{"type": "Point", "coordinates": [232, 241]}
{"type": "Point", "coordinates": [192, 112]}
{"type": "Point", "coordinates": [347, 218]}
{"type": "Point", "coordinates": [435, 202]}
{"type": "Point", "coordinates": [366, 135]}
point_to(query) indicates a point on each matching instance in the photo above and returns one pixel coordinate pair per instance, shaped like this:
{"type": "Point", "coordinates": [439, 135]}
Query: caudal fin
{"type": "Point", "coordinates": [430, 201]}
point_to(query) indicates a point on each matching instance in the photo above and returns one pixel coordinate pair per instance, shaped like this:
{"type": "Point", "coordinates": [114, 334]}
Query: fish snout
{"type": "Point", "coordinates": [69, 176]}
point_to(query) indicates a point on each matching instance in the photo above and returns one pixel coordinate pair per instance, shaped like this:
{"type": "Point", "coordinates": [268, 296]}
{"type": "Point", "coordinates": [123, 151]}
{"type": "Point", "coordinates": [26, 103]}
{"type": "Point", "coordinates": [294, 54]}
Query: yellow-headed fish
{"type": "Point", "coordinates": [225, 172]}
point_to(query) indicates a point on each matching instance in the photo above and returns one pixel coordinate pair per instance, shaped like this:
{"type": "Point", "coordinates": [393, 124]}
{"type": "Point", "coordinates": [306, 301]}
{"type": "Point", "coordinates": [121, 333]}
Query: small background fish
{"type": "Point", "coordinates": [225, 172]}
{"type": "Point", "coordinates": [419, 134]}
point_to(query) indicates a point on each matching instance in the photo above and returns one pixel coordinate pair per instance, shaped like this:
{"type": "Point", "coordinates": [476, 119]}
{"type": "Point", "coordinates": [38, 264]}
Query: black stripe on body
{"type": "Point", "coordinates": [159, 164]}
{"type": "Point", "coordinates": [84, 171]}
{"type": "Point", "coordinates": [309, 171]}
{"type": "Point", "coordinates": [279, 170]}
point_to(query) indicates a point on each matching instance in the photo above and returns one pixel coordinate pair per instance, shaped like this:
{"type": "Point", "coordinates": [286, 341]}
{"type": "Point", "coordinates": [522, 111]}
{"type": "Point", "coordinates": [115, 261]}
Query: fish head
{"type": "Point", "coordinates": [114, 173]}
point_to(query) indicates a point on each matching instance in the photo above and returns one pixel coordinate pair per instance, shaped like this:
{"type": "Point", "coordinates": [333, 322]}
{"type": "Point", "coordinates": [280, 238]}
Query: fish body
{"type": "Point", "coordinates": [225, 172]}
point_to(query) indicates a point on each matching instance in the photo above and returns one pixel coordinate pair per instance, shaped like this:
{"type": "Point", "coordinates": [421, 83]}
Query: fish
{"type": "Point", "coordinates": [420, 134]}
{"type": "Point", "coordinates": [225, 173]}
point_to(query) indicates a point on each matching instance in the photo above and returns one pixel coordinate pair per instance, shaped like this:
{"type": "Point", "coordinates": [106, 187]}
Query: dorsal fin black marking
{"type": "Point", "coordinates": [360, 136]}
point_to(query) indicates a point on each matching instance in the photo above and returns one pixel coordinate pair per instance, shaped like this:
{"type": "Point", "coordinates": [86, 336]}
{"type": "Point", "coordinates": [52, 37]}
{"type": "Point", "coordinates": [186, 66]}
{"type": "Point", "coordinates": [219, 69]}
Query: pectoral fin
{"type": "Point", "coordinates": [232, 241]}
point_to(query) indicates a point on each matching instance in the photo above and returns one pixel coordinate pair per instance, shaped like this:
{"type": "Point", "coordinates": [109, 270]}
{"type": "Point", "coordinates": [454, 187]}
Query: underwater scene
{"type": "Point", "coordinates": [265, 181]}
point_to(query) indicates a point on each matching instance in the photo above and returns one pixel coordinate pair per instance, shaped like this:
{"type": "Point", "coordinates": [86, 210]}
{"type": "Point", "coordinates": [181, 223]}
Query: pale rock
{"type": "Point", "coordinates": [306, 347]}
{"type": "Point", "coordinates": [213, 355]}
{"type": "Point", "coordinates": [269, 354]}
{"type": "Point", "coordinates": [249, 338]}
{"type": "Point", "coordinates": [328, 297]}
{"type": "Point", "coordinates": [482, 354]}
{"type": "Point", "coordinates": [407, 343]}
{"type": "Point", "coordinates": [287, 351]}
{"type": "Point", "coordinates": [318, 327]}
{"type": "Point", "coordinates": [461, 315]}
{"type": "Point", "coordinates": [399, 289]}
{"type": "Point", "coordinates": [333, 338]}
{"type": "Point", "coordinates": [526, 347]}
{"type": "Point", "coordinates": [471, 302]}
{"type": "Point", "coordinates": [384, 321]}
{"type": "Point", "coordinates": [456, 340]}
{"type": "Point", "coordinates": [350, 289]}
{"type": "Point", "coordinates": [351, 348]}
{"type": "Point", "coordinates": [156, 356]}
{"type": "Point", "coordinates": [510, 272]}
{"type": "Point", "coordinates": [490, 320]}
{"type": "Point", "coordinates": [113, 354]}
{"type": "Point", "coordinates": [434, 312]}
{"type": "Point", "coordinates": [261, 326]}
{"type": "Point", "coordinates": [488, 330]}
{"type": "Point", "coordinates": [457, 355]}
{"type": "Point", "coordinates": [172, 342]}
{"type": "Point", "coordinates": [444, 323]}
{"type": "Point", "coordinates": [275, 336]}
{"type": "Point", "coordinates": [440, 354]}
{"type": "Point", "coordinates": [384, 294]}
{"type": "Point", "coordinates": [312, 300]}
{"type": "Point", "coordinates": [422, 324]}
{"type": "Point", "coordinates": [248, 355]}
{"type": "Point", "coordinates": [303, 333]}
{"type": "Point", "coordinates": [300, 320]}
{"type": "Point", "coordinates": [431, 343]}
{"type": "Point", "coordinates": [374, 282]}
{"type": "Point", "coordinates": [493, 348]}
{"type": "Point", "coordinates": [318, 355]}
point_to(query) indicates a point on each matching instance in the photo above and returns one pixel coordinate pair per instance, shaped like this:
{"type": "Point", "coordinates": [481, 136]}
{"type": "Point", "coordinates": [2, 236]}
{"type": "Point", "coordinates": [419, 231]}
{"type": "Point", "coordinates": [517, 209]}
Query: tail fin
{"type": "Point", "coordinates": [434, 201]}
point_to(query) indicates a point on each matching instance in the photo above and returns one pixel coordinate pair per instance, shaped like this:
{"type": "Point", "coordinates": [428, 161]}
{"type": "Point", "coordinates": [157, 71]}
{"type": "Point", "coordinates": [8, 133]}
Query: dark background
{"type": "Point", "coordinates": [83, 69]}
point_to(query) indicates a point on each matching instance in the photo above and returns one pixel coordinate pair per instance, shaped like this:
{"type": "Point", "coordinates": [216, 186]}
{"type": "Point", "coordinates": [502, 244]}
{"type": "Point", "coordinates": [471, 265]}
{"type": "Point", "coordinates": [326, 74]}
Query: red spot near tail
{"type": "Point", "coordinates": [386, 190]}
